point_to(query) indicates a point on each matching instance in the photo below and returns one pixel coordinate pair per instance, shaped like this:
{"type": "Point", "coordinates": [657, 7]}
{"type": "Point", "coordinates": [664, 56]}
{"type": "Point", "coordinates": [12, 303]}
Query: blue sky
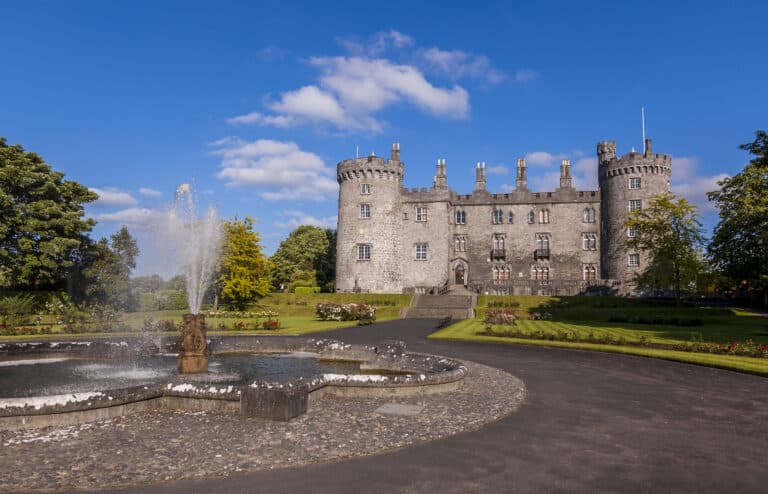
{"type": "Point", "coordinates": [256, 102]}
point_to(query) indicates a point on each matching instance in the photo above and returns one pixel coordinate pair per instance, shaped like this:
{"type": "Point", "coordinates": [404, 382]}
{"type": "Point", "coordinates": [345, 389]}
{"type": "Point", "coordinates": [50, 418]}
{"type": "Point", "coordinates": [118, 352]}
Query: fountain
{"type": "Point", "coordinates": [197, 242]}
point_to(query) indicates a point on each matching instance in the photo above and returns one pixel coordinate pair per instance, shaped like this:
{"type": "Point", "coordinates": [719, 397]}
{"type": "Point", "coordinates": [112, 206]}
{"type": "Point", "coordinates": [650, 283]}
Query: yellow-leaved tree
{"type": "Point", "coordinates": [245, 271]}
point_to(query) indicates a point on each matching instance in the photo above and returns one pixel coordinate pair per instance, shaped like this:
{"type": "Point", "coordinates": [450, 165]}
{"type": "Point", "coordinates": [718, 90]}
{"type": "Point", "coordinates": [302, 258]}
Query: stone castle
{"type": "Point", "coordinates": [393, 240]}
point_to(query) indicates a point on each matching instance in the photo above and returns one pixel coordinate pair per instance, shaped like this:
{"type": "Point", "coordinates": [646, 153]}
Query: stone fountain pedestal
{"type": "Point", "coordinates": [192, 356]}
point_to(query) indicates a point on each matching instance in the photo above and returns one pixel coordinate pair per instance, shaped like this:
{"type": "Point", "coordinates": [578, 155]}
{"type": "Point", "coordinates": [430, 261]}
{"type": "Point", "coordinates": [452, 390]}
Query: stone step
{"type": "Point", "coordinates": [453, 301]}
{"type": "Point", "coordinates": [437, 313]}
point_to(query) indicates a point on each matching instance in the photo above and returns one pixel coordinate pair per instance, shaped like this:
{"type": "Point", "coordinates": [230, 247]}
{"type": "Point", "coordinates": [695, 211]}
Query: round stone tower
{"type": "Point", "coordinates": [626, 183]}
{"type": "Point", "coordinates": [368, 234]}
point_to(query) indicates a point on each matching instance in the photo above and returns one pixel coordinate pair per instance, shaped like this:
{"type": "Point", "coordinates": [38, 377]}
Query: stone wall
{"type": "Point", "coordinates": [394, 229]}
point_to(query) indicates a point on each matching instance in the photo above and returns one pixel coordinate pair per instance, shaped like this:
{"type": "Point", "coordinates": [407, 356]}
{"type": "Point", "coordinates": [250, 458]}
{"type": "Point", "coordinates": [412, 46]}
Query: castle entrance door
{"type": "Point", "coordinates": [459, 274]}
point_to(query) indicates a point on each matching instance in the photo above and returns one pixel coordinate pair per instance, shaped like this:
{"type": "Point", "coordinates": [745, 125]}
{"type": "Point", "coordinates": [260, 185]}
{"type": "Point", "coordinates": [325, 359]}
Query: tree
{"type": "Point", "coordinates": [245, 271]}
{"type": "Point", "coordinates": [306, 258]}
{"type": "Point", "coordinates": [670, 232]}
{"type": "Point", "coordinates": [42, 229]}
{"type": "Point", "coordinates": [107, 279]}
{"type": "Point", "coordinates": [739, 246]}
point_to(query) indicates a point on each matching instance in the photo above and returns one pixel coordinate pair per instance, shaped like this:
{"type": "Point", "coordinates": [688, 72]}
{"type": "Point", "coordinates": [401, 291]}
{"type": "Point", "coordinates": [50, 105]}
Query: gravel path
{"type": "Point", "coordinates": [170, 445]}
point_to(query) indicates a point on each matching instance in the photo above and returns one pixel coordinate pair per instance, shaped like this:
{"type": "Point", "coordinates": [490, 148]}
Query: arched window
{"type": "Point", "coordinates": [461, 217]}
{"type": "Point", "coordinates": [495, 274]}
{"type": "Point", "coordinates": [544, 216]}
{"type": "Point", "coordinates": [589, 215]}
{"type": "Point", "coordinates": [531, 217]}
{"type": "Point", "coordinates": [510, 217]}
{"type": "Point", "coordinates": [497, 217]}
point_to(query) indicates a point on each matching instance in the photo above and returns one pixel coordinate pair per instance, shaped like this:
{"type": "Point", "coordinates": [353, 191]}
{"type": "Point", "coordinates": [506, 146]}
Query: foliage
{"type": "Point", "coordinates": [107, 279]}
{"type": "Point", "coordinates": [306, 289]}
{"type": "Point", "coordinates": [245, 271]}
{"type": "Point", "coordinates": [670, 232]}
{"type": "Point", "coordinates": [231, 314]}
{"type": "Point", "coordinates": [739, 246]}
{"type": "Point", "coordinates": [16, 310]}
{"type": "Point", "coordinates": [163, 300]}
{"type": "Point", "coordinates": [505, 317]}
{"type": "Point", "coordinates": [42, 230]}
{"type": "Point", "coordinates": [361, 312]}
{"type": "Point", "coordinates": [306, 258]}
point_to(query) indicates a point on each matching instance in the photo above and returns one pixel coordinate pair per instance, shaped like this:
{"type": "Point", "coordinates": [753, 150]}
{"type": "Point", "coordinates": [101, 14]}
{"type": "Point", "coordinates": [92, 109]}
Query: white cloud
{"type": "Point", "coordinates": [149, 192]}
{"type": "Point", "coordinates": [136, 217]}
{"type": "Point", "coordinates": [376, 44]}
{"type": "Point", "coordinates": [458, 64]}
{"type": "Point", "coordinates": [297, 218]}
{"type": "Point", "coordinates": [694, 187]}
{"type": "Point", "coordinates": [526, 75]}
{"type": "Point", "coordinates": [497, 170]}
{"type": "Point", "coordinates": [110, 196]}
{"type": "Point", "coordinates": [583, 171]}
{"type": "Point", "coordinates": [352, 89]}
{"type": "Point", "coordinates": [281, 169]}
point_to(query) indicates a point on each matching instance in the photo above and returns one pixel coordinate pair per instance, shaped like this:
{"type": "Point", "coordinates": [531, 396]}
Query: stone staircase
{"type": "Point", "coordinates": [458, 303]}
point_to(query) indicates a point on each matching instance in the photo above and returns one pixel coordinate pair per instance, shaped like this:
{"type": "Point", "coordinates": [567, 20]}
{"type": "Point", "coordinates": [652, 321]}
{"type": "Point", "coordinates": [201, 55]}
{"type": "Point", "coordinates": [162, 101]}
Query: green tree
{"type": "Point", "coordinates": [739, 246]}
{"type": "Point", "coordinates": [303, 259]}
{"type": "Point", "coordinates": [107, 279]}
{"type": "Point", "coordinates": [42, 230]}
{"type": "Point", "coordinates": [670, 232]}
{"type": "Point", "coordinates": [245, 271]}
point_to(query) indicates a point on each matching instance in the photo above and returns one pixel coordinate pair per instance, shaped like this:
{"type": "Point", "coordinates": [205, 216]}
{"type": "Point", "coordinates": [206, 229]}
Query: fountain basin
{"type": "Point", "coordinates": [385, 370]}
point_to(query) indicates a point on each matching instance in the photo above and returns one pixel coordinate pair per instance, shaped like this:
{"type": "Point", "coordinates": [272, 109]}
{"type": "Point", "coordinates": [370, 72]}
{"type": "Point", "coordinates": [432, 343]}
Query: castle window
{"type": "Point", "coordinates": [507, 273]}
{"type": "Point", "coordinates": [544, 216]}
{"type": "Point", "coordinates": [634, 260]}
{"type": "Point", "coordinates": [510, 217]}
{"type": "Point", "coordinates": [589, 272]}
{"type": "Point", "coordinates": [589, 241]}
{"type": "Point", "coordinates": [405, 215]}
{"type": "Point", "coordinates": [365, 211]}
{"type": "Point", "coordinates": [634, 183]}
{"type": "Point", "coordinates": [421, 214]}
{"type": "Point", "coordinates": [460, 243]}
{"type": "Point", "coordinates": [542, 241]}
{"type": "Point", "coordinates": [635, 205]}
{"type": "Point", "coordinates": [539, 273]}
{"type": "Point", "coordinates": [364, 252]}
{"type": "Point", "coordinates": [531, 218]}
{"type": "Point", "coordinates": [461, 217]}
{"type": "Point", "coordinates": [589, 215]}
{"type": "Point", "coordinates": [365, 188]}
{"type": "Point", "coordinates": [631, 232]}
{"type": "Point", "coordinates": [498, 216]}
{"type": "Point", "coordinates": [421, 252]}
{"type": "Point", "coordinates": [498, 242]}
{"type": "Point", "coordinates": [496, 274]}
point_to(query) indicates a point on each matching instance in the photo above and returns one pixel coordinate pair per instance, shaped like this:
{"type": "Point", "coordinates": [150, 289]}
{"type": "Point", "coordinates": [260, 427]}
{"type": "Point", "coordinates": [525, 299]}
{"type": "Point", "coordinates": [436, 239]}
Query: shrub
{"type": "Point", "coordinates": [16, 310]}
{"type": "Point", "coordinates": [270, 324]}
{"type": "Point", "coordinates": [306, 289]}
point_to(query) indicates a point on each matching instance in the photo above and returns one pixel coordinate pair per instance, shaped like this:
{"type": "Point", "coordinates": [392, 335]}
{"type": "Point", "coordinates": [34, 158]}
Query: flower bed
{"type": "Point", "coordinates": [503, 317]}
{"type": "Point", "coordinates": [360, 312]}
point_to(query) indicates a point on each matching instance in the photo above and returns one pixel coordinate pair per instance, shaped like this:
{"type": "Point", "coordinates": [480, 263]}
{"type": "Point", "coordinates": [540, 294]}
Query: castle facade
{"type": "Point", "coordinates": [393, 240]}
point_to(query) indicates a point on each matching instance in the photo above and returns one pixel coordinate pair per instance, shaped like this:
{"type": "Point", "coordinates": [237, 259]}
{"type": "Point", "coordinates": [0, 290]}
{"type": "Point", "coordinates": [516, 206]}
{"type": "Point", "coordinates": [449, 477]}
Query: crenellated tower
{"type": "Point", "coordinates": [368, 240]}
{"type": "Point", "coordinates": [626, 183]}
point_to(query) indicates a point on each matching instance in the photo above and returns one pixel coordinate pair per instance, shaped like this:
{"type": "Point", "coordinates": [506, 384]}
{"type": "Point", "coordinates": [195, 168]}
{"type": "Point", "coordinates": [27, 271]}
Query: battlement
{"type": "Point", "coordinates": [369, 167]}
{"type": "Point", "coordinates": [610, 165]}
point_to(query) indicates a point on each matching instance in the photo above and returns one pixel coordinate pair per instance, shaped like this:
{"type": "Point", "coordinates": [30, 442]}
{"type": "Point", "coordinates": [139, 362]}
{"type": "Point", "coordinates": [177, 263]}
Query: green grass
{"type": "Point", "coordinates": [296, 313]}
{"type": "Point", "coordinates": [585, 316]}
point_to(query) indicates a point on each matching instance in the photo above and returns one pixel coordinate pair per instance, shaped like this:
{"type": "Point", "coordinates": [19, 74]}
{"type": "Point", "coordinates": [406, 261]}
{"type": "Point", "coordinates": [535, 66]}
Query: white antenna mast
{"type": "Point", "coordinates": [357, 151]}
{"type": "Point", "coordinates": [642, 117]}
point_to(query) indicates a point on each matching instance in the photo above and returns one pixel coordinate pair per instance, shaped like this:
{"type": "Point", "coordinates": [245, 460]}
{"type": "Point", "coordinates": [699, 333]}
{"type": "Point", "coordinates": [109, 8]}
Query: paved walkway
{"type": "Point", "coordinates": [592, 422]}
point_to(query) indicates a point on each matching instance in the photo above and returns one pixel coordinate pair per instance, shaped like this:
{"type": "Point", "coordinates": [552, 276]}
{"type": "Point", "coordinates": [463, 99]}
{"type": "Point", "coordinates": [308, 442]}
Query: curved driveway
{"type": "Point", "coordinates": [592, 422]}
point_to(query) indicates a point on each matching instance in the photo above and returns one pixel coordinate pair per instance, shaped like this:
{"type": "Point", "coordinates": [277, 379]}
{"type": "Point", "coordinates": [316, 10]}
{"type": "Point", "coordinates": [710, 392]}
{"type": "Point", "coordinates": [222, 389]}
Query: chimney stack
{"type": "Point", "coordinates": [522, 181]}
{"type": "Point", "coordinates": [648, 151]}
{"type": "Point", "coordinates": [396, 152]}
{"type": "Point", "coordinates": [565, 174]}
{"type": "Point", "coordinates": [480, 176]}
{"type": "Point", "coordinates": [440, 175]}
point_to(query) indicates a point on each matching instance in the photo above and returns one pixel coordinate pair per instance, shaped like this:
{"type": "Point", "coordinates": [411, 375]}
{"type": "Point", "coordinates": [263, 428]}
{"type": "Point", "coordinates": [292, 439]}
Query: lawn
{"type": "Point", "coordinates": [594, 318]}
{"type": "Point", "coordinates": [296, 313]}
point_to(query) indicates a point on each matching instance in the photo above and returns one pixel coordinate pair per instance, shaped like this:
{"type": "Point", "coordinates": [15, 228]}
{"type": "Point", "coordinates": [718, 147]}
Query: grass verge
{"type": "Point", "coordinates": [468, 330]}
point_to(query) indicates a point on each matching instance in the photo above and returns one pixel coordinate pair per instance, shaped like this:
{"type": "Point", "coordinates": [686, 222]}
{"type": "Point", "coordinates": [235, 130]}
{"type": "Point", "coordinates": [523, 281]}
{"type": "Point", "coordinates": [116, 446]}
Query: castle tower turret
{"type": "Point", "coordinates": [522, 180]}
{"type": "Point", "coordinates": [367, 241]}
{"type": "Point", "coordinates": [480, 176]}
{"type": "Point", "coordinates": [626, 183]}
